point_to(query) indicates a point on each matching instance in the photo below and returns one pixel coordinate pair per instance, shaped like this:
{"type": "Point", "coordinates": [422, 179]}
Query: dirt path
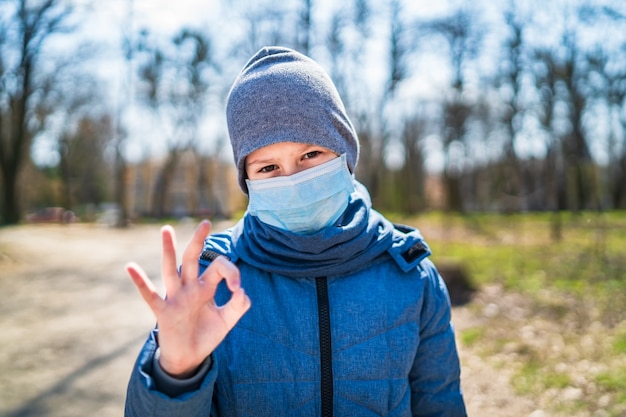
{"type": "Point", "coordinates": [72, 323]}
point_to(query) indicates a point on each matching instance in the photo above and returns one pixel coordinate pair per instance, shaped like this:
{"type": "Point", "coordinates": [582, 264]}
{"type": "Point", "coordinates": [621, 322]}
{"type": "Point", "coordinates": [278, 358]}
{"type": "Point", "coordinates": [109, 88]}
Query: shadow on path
{"type": "Point", "coordinates": [39, 405]}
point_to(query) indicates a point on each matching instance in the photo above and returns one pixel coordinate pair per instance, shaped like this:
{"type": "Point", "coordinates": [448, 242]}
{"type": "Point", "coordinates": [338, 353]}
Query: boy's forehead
{"type": "Point", "coordinates": [281, 148]}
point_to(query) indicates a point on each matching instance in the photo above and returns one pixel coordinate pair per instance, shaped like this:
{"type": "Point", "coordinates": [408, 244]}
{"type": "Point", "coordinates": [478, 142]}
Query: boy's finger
{"type": "Point", "coordinates": [169, 265]}
{"type": "Point", "coordinates": [235, 308]}
{"type": "Point", "coordinates": [189, 273]}
{"type": "Point", "coordinates": [145, 287]}
{"type": "Point", "coordinates": [220, 269]}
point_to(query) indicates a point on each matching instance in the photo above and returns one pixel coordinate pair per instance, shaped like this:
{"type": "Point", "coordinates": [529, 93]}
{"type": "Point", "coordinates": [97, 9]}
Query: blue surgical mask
{"type": "Point", "coordinates": [305, 202]}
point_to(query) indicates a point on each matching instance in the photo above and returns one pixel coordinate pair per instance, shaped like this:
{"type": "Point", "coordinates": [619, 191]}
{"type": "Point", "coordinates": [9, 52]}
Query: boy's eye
{"type": "Point", "coordinates": [268, 168]}
{"type": "Point", "coordinates": [311, 154]}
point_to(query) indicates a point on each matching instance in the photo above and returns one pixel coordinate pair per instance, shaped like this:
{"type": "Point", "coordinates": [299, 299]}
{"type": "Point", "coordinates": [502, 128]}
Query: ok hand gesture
{"type": "Point", "coordinates": [190, 324]}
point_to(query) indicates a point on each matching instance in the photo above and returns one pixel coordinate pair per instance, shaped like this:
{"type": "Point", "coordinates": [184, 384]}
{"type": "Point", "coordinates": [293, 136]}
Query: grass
{"type": "Point", "coordinates": [519, 252]}
{"type": "Point", "coordinates": [614, 381]}
{"type": "Point", "coordinates": [619, 344]}
{"type": "Point", "coordinates": [573, 289]}
{"type": "Point", "coordinates": [472, 336]}
{"type": "Point", "coordinates": [533, 377]}
{"type": "Point", "coordinates": [614, 378]}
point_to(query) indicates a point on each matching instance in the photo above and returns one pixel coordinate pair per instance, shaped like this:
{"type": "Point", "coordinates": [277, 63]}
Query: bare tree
{"type": "Point", "coordinates": [401, 46]}
{"type": "Point", "coordinates": [616, 83]}
{"type": "Point", "coordinates": [336, 47]}
{"type": "Point", "coordinates": [81, 138]}
{"type": "Point", "coordinates": [23, 35]}
{"type": "Point", "coordinates": [510, 80]}
{"type": "Point", "coordinates": [463, 41]}
{"type": "Point", "coordinates": [609, 67]}
{"type": "Point", "coordinates": [176, 84]}
{"type": "Point", "coordinates": [413, 173]}
{"type": "Point", "coordinates": [264, 25]}
{"type": "Point", "coordinates": [120, 131]}
{"type": "Point", "coordinates": [578, 156]}
{"type": "Point", "coordinates": [346, 42]}
{"type": "Point", "coordinates": [304, 27]}
{"type": "Point", "coordinates": [84, 173]}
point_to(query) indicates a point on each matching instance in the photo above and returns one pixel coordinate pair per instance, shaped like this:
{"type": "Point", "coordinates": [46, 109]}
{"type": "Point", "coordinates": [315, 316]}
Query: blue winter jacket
{"type": "Point", "coordinates": [377, 341]}
{"type": "Point", "coordinates": [304, 339]}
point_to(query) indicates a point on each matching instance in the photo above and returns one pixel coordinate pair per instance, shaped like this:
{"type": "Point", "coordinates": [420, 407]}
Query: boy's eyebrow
{"type": "Point", "coordinates": [270, 159]}
{"type": "Point", "coordinates": [259, 161]}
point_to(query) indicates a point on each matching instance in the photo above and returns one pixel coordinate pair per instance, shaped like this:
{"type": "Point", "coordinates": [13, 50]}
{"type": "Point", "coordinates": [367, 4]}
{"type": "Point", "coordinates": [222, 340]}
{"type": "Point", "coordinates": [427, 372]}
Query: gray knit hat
{"type": "Point", "coordinates": [281, 95]}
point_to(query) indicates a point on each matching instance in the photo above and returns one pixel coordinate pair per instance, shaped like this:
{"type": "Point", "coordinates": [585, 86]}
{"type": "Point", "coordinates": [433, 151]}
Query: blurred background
{"type": "Point", "coordinates": [497, 128]}
{"type": "Point", "coordinates": [507, 106]}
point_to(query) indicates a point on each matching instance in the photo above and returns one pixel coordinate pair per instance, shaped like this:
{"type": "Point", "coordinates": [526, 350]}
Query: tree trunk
{"type": "Point", "coordinates": [162, 185]}
{"type": "Point", "coordinates": [452, 182]}
{"type": "Point", "coordinates": [10, 198]}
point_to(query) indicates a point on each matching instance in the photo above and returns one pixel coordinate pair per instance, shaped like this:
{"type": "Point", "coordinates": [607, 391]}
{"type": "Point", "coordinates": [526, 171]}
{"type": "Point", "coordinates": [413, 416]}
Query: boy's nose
{"type": "Point", "coordinates": [290, 169]}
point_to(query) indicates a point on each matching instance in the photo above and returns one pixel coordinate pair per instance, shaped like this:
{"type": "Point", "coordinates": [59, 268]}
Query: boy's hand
{"type": "Point", "coordinates": [190, 324]}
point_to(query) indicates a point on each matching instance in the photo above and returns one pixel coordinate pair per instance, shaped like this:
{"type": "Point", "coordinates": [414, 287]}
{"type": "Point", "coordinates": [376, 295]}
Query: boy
{"type": "Point", "coordinates": [343, 314]}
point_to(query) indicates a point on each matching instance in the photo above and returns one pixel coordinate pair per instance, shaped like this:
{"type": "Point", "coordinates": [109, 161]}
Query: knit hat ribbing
{"type": "Point", "coordinates": [281, 95]}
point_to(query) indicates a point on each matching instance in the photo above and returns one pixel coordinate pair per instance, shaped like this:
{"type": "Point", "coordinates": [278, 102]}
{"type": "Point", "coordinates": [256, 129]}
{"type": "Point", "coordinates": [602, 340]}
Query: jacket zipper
{"type": "Point", "coordinates": [326, 356]}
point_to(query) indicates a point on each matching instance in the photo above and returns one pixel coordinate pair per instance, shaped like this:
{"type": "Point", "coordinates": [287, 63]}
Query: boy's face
{"type": "Point", "coordinates": [285, 158]}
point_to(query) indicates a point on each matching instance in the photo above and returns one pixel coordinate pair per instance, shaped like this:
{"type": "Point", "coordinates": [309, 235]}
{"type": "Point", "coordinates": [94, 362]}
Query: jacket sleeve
{"type": "Point", "coordinates": [436, 372]}
{"type": "Point", "coordinates": [151, 394]}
